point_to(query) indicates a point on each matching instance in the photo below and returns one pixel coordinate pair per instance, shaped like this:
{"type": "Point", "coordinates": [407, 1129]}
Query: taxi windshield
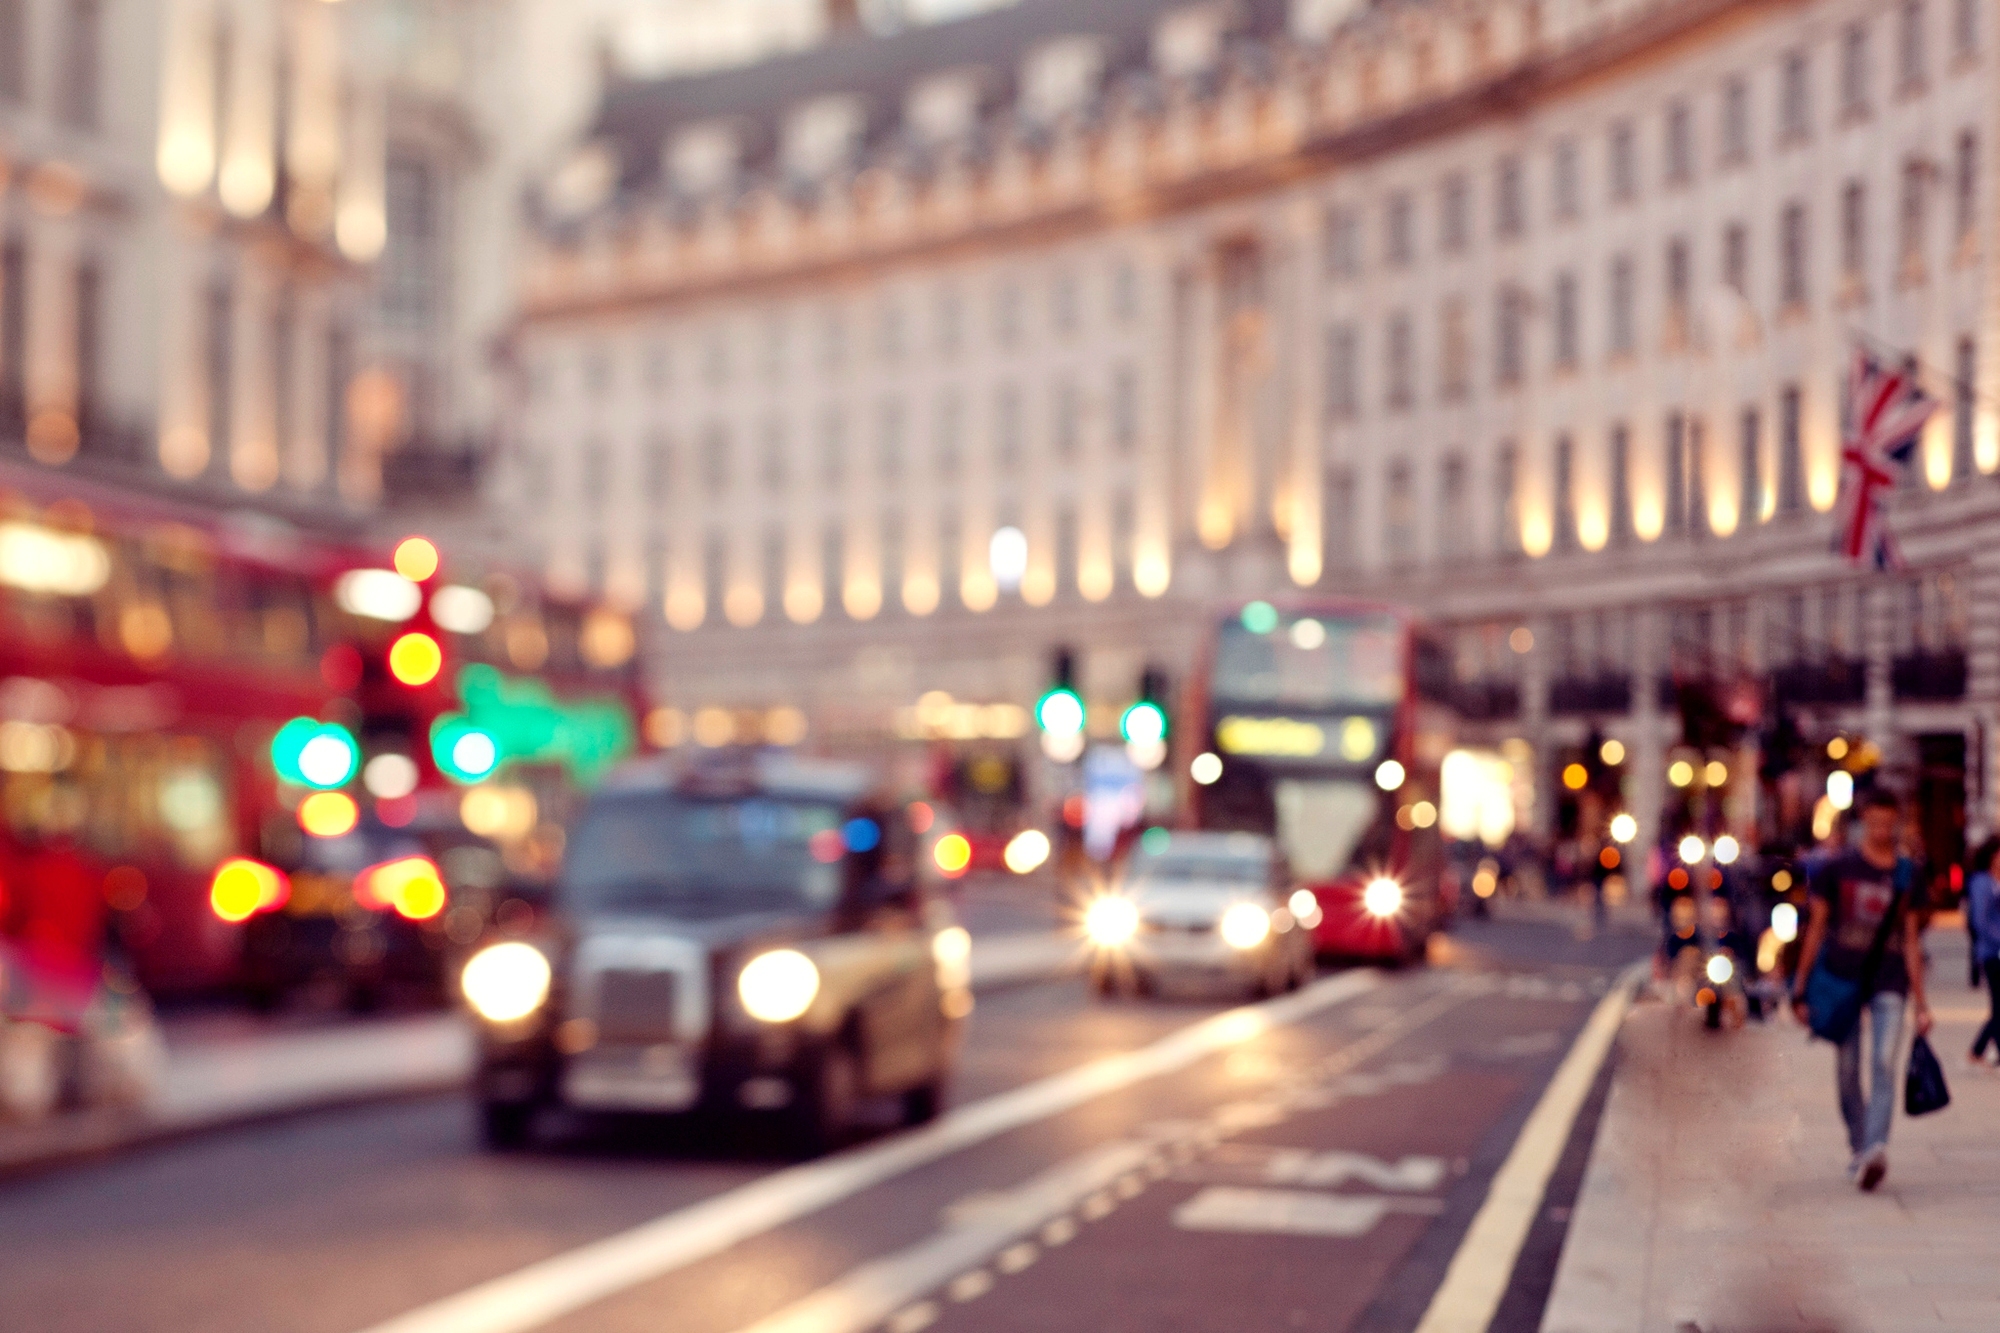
{"type": "Point", "coordinates": [1182, 868]}
{"type": "Point", "coordinates": [702, 859]}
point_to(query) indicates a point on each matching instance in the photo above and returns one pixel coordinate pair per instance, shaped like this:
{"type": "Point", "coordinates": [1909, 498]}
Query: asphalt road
{"type": "Point", "coordinates": [1318, 1174]}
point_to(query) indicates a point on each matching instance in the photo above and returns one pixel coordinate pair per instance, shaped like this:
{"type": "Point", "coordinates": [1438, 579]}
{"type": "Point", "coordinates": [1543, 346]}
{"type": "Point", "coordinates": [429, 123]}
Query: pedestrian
{"type": "Point", "coordinates": [1982, 911]}
{"type": "Point", "coordinates": [1867, 906]}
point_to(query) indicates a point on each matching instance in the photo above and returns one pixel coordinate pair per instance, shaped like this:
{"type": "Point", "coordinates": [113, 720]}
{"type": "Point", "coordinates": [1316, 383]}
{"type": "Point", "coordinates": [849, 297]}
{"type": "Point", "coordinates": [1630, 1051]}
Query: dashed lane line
{"type": "Point", "coordinates": [533, 1296]}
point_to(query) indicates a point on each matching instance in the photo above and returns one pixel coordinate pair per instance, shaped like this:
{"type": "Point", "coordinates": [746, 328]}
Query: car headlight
{"type": "Point", "coordinates": [1720, 969]}
{"type": "Point", "coordinates": [1111, 922]}
{"type": "Point", "coordinates": [1304, 904]}
{"type": "Point", "coordinates": [778, 986]}
{"type": "Point", "coordinates": [1245, 926]}
{"type": "Point", "coordinates": [951, 950]}
{"type": "Point", "coordinates": [506, 982]}
{"type": "Point", "coordinates": [1382, 896]}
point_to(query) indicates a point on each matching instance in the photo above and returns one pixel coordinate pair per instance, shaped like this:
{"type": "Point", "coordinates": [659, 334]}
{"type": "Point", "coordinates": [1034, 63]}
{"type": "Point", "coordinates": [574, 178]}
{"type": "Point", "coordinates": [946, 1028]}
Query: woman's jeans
{"type": "Point", "coordinates": [1991, 1032]}
{"type": "Point", "coordinates": [1868, 1119]}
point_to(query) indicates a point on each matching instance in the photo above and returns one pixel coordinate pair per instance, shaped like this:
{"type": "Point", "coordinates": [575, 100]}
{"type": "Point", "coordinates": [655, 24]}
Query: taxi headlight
{"type": "Point", "coordinates": [778, 986]}
{"type": "Point", "coordinates": [1720, 969]}
{"type": "Point", "coordinates": [506, 982]}
{"type": "Point", "coordinates": [1111, 922]}
{"type": "Point", "coordinates": [1382, 896]}
{"type": "Point", "coordinates": [1245, 926]}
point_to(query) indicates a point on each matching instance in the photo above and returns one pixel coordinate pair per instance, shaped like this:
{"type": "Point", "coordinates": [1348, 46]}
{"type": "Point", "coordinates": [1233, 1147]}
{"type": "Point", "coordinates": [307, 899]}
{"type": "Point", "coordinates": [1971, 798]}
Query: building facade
{"type": "Point", "coordinates": [1534, 315]}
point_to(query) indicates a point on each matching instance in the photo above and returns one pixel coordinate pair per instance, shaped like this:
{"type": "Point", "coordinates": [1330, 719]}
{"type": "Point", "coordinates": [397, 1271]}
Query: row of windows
{"type": "Point", "coordinates": [1514, 308]}
{"type": "Point", "coordinates": [721, 462]}
{"type": "Point", "coordinates": [889, 336]}
{"type": "Point", "coordinates": [1344, 246]}
{"type": "Point", "coordinates": [73, 90]}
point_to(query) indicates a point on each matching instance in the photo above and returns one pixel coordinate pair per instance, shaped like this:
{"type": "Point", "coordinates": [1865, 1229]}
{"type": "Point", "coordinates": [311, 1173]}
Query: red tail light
{"type": "Point", "coordinates": [410, 886]}
{"type": "Point", "coordinates": [242, 888]}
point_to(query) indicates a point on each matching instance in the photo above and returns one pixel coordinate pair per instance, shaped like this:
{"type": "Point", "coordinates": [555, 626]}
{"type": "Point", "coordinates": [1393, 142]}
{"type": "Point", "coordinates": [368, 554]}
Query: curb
{"type": "Point", "coordinates": [77, 1137]}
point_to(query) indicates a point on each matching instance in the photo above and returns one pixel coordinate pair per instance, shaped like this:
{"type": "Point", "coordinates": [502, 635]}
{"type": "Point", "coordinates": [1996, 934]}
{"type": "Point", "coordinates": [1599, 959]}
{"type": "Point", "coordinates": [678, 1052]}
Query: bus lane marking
{"type": "Point", "coordinates": [546, 1290]}
{"type": "Point", "coordinates": [1234, 1208]}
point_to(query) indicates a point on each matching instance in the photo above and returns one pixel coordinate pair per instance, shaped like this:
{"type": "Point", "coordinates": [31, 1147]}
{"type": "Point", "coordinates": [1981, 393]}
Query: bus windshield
{"type": "Point", "coordinates": [1312, 663]}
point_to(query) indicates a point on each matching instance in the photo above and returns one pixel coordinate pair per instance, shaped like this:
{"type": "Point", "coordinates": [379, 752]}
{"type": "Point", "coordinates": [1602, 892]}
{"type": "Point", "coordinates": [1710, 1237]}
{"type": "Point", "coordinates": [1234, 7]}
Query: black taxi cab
{"type": "Point", "coordinates": [757, 937]}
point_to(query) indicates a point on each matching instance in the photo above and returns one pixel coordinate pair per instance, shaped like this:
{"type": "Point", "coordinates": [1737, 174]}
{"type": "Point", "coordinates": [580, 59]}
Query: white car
{"type": "Point", "coordinates": [1200, 910]}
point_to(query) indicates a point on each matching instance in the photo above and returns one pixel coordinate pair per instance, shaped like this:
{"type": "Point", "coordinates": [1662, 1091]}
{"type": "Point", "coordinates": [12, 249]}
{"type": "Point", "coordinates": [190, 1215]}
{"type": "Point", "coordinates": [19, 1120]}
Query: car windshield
{"type": "Point", "coordinates": [1180, 869]}
{"type": "Point", "coordinates": [1311, 663]}
{"type": "Point", "coordinates": [699, 858]}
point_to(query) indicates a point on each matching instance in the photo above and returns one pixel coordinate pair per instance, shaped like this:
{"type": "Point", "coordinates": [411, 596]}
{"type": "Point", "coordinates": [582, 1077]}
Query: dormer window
{"type": "Point", "coordinates": [1188, 42]}
{"type": "Point", "coordinates": [1060, 77]}
{"type": "Point", "coordinates": [944, 107]}
{"type": "Point", "coordinates": [583, 182]}
{"type": "Point", "coordinates": [703, 159]}
{"type": "Point", "coordinates": [824, 135]}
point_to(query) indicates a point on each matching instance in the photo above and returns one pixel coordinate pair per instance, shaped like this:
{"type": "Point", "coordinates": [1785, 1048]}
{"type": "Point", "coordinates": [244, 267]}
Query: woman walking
{"type": "Point", "coordinates": [1982, 911]}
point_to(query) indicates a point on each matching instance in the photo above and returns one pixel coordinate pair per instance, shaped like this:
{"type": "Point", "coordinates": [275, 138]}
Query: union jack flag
{"type": "Point", "coordinates": [1886, 412]}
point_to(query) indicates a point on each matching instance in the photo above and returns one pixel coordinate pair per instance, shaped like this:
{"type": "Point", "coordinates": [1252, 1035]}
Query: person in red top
{"type": "Point", "coordinates": [58, 917]}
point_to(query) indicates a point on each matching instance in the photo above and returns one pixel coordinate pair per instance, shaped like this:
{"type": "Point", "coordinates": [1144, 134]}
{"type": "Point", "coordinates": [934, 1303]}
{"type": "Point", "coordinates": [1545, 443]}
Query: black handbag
{"type": "Point", "coordinates": [1923, 1087]}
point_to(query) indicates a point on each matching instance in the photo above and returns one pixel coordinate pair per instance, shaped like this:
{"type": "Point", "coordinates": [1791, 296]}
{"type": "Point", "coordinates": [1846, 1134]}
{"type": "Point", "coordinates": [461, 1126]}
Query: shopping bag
{"type": "Point", "coordinates": [1923, 1087]}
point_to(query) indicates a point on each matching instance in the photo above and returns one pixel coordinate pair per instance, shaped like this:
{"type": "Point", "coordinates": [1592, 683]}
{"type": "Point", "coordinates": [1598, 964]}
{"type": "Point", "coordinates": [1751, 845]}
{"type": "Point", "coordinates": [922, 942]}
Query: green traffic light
{"type": "Point", "coordinates": [463, 752]}
{"type": "Point", "coordinates": [1260, 618]}
{"type": "Point", "coordinates": [1061, 712]}
{"type": "Point", "coordinates": [1145, 722]}
{"type": "Point", "coordinates": [312, 753]}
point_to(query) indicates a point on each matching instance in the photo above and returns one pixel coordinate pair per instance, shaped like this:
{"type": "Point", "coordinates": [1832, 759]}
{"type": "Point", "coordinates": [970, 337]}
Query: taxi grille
{"type": "Point", "coordinates": [635, 1006]}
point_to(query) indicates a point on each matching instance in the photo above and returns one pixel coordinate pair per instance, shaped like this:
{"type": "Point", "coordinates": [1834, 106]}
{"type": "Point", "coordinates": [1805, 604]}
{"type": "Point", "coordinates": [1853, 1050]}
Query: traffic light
{"type": "Point", "coordinates": [463, 752]}
{"type": "Point", "coordinates": [1060, 713]}
{"type": "Point", "coordinates": [312, 753]}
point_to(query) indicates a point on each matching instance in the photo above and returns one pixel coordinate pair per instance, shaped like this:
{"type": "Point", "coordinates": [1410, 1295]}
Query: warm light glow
{"type": "Point", "coordinates": [1304, 907]}
{"type": "Point", "coordinates": [977, 590]}
{"type": "Point", "coordinates": [1840, 789]}
{"type": "Point", "coordinates": [360, 224]}
{"type": "Point", "coordinates": [1206, 769]}
{"type": "Point", "coordinates": [1382, 897]}
{"type": "Point", "coordinates": [1722, 514]}
{"type": "Point", "coordinates": [862, 597]}
{"type": "Point", "coordinates": [1624, 828]}
{"type": "Point", "coordinates": [462, 610]}
{"type": "Point", "coordinates": [498, 812]}
{"type": "Point", "coordinates": [1593, 527]}
{"type": "Point", "coordinates": [1727, 849]}
{"type": "Point", "coordinates": [388, 777]}
{"type": "Point", "coordinates": [1521, 640]}
{"type": "Point", "coordinates": [378, 594]}
{"type": "Point", "coordinates": [920, 594]}
{"type": "Point", "coordinates": [248, 173]}
{"type": "Point", "coordinates": [1986, 437]}
{"type": "Point", "coordinates": [185, 156]}
{"type": "Point", "coordinates": [1680, 773]}
{"type": "Point", "coordinates": [411, 885]}
{"type": "Point", "coordinates": [1936, 450]}
{"type": "Point", "coordinates": [1026, 851]}
{"type": "Point", "coordinates": [506, 982]}
{"type": "Point", "coordinates": [1110, 922]}
{"type": "Point", "coordinates": [1389, 775]}
{"type": "Point", "coordinates": [1093, 579]}
{"type": "Point", "coordinates": [1245, 926]}
{"type": "Point", "coordinates": [803, 603]}
{"type": "Point", "coordinates": [778, 986]}
{"type": "Point", "coordinates": [42, 560]}
{"type": "Point", "coordinates": [1822, 481]}
{"type": "Point", "coordinates": [686, 607]}
{"type": "Point", "coordinates": [785, 725]}
{"type": "Point", "coordinates": [1649, 516]}
{"type": "Point", "coordinates": [1476, 796]}
{"type": "Point", "coordinates": [1720, 969]}
{"type": "Point", "coordinates": [1152, 574]}
{"type": "Point", "coordinates": [1692, 849]}
{"type": "Point", "coordinates": [1716, 773]}
{"type": "Point", "coordinates": [1038, 585]}
{"type": "Point", "coordinates": [1576, 777]}
{"type": "Point", "coordinates": [416, 559]}
{"type": "Point", "coordinates": [1007, 558]}
{"type": "Point", "coordinates": [1612, 752]}
{"type": "Point", "coordinates": [328, 814]}
{"type": "Point", "coordinates": [1785, 922]}
{"type": "Point", "coordinates": [1536, 534]}
{"type": "Point", "coordinates": [241, 888]}
{"type": "Point", "coordinates": [743, 606]}
{"type": "Point", "coordinates": [952, 854]}
{"type": "Point", "coordinates": [415, 659]}
{"type": "Point", "coordinates": [1837, 748]}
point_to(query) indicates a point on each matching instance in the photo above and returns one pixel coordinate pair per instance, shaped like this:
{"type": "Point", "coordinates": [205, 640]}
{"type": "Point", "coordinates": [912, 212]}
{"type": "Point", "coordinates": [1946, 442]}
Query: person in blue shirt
{"type": "Point", "coordinates": [1982, 912]}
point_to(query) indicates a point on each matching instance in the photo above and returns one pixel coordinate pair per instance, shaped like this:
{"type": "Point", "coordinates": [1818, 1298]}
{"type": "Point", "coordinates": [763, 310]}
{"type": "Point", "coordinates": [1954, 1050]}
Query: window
{"type": "Point", "coordinates": [1965, 28]}
{"type": "Point", "coordinates": [1343, 372]}
{"type": "Point", "coordinates": [1794, 100]}
{"type": "Point", "coordinates": [1510, 337]}
{"type": "Point", "coordinates": [1452, 518]}
{"type": "Point", "coordinates": [1007, 314]}
{"type": "Point", "coordinates": [657, 368]}
{"type": "Point", "coordinates": [1965, 186]}
{"type": "Point", "coordinates": [1343, 243]}
{"type": "Point", "coordinates": [1507, 493]}
{"type": "Point", "coordinates": [1854, 70]}
{"type": "Point", "coordinates": [1568, 322]}
{"type": "Point", "coordinates": [715, 460]}
{"type": "Point", "coordinates": [1455, 214]}
{"type": "Point", "coordinates": [950, 430]}
{"type": "Point", "coordinates": [1454, 350]}
{"type": "Point", "coordinates": [1735, 120]}
{"type": "Point", "coordinates": [1401, 362]}
{"type": "Point", "coordinates": [1399, 517]}
{"type": "Point", "coordinates": [1063, 304]}
{"type": "Point", "coordinates": [1750, 481]}
{"type": "Point", "coordinates": [1964, 407]}
{"type": "Point", "coordinates": [1124, 292]}
{"type": "Point", "coordinates": [1736, 258]}
{"type": "Point", "coordinates": [1565, 180]}
{"type": "Point", "coordinates": [1124, 410]}
{"type": "Point", "coordinates": [1399, 245]}
{"type": "Point", "coordinates": [1007, 430]}
{"type": "Point", "coordinates": [1680, 143]}
{"type": "Point", "coordinates": [1068, 423]}
{"type": "Point", "coordinates": [1854, 231]}
{"type": "Point", "coordinates": [1680, 279]}
{"type": "Point", "coordinates": [1510, 199]}
{"type": "Point", "coordinates": [1791, 454]}
{"type": "Point", "coordinates": [90, 342]}
{"type": "Point", "coordinates": [1677, 475]}
{"type": "Point", "coordinates": [715, 360]}
{"type": "Point", "coordinates": [1621, 484]}
{"type": "Point", "coordinates": [833, 451]}
{"type": "Point", "coordinates": [950, 322]}
{"type": "Point", "coordinates": [406, 279]}
{"type": "Point", "coordinates": [13, 333]}
{"type": "Point", "coordinates": [1792, 255]}
{"type": "Point", "coordinates": [1913, 219]}
{"type": "Point", "coordinates": [1910, 55]}
{"type": "Point", "coordinates": [776, 456]}
{"type": "Point", "coordinates": [221, 348]}
{"type": "Point", "coordinates": [659, 471]}
{"type": "Point", "coordinates": [1624, 339]}
{"type": "Point", "coordinates": [889, 332]}
{"type": "Point", "coordinates": [1564, 468]}
{"type": "Point", "coordinates": [83, 44]}
{"type": "Point", "coordinates": [13, 50]}
{"type": "Point", "coordinates": [1340, 515]}
{"type": "Point", "coordinates": [833, 341]}
{"type": "Point", "coordinates": [1624, 163]}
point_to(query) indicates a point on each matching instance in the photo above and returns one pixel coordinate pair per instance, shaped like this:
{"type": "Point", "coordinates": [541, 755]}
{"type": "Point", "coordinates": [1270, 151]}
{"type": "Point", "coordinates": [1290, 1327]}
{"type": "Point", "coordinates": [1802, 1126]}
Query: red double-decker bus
{"type": "Point", "coordinates": [152, 647]}
{"type": "Point", "coordinates": [1324, 724]}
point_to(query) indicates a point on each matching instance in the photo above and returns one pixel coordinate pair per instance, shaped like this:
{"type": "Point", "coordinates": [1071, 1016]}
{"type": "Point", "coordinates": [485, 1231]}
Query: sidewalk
{"type": "Point", "coordinates": [221, 1074]}
{"type": "Point", "coordinates": [1716, 1198]}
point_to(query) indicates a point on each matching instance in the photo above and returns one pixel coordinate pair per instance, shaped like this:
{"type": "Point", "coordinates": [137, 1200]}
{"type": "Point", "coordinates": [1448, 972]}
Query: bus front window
{"type": "Point", "coordinates": [1321, 825]}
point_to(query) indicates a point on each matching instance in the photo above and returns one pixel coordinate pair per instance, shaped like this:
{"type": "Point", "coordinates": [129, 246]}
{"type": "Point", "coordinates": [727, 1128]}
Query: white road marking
{"type": "Point", "coordinates": [965, 1287]}
{"type": "Point", "coordinates": [556, 1286]}
{"type": "Point", "coordinates": [1413, 1175]}
{"type": "Point", "coordinates": [913, 1319]}
{"type": "Point", "coordinates": [1473, 1285]}
{"type": "Point", "coordinates": [1292, 1212]}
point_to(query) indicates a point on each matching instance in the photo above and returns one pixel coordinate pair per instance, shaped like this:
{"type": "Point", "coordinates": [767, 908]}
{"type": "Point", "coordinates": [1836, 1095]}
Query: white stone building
{"type": "Point", "coordinates": [1534, 315]}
